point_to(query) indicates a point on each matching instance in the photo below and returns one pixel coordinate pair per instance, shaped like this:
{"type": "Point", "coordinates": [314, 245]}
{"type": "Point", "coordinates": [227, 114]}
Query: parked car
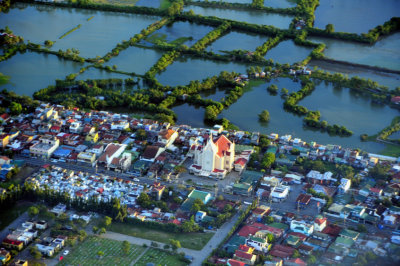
{"type": "Point", "coordinates": [136, 179]}
{"type": "Point", "coordinates": [66, 252]}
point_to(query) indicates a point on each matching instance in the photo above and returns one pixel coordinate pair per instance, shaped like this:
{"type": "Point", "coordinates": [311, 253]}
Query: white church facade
{"type": "Point", "coordinates": [215, 158]}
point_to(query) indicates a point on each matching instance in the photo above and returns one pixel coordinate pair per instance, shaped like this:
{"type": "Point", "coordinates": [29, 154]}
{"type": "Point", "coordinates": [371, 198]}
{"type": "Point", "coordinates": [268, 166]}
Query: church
{"type": "Point", "coordinates": [215, 158]}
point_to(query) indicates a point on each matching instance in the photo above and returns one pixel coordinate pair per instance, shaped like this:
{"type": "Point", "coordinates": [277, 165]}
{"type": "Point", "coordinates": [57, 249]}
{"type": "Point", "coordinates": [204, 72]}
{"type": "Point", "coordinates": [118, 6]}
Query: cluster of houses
{"type": "Point", "coordinates": [290, 239]}
{"type": "Point", "coordinates": [20, 238]}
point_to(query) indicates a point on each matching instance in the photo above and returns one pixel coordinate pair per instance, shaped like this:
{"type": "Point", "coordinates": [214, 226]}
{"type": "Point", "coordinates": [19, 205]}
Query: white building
{"type": "Point", "coordinates": [113, 150]}
{"type": "Point", "coordinates": [217, 156]}
{"type": "Point", "coordinates": [345, 185]}
{"type": "Point", "coordinates": [75, 127]}
{"type": "Point", "coordinates": [301, 227]}
{"type": "Point", "coordinates": [45, 147]}
{"type": "Point", "coordinates": [279, 193]}
{"type": "Point", "coordinates": [167, 137]}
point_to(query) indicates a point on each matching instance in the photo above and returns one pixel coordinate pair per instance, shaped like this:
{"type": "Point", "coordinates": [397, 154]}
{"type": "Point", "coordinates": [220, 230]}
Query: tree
{"type": "Point", "coordinates": [271, 238]}
{"type": "Point", "coordinates": [175, 244]}
{"type": "Point", "coordinates": [126, 247]}
{"type": "Point", "coordinates": [100, 253]}
{"type": "Point", "coordinates": [284, 91]}
{"type": "Point", "coordinates": [144, 200]}
{"type": "Point", "coordinates": [35, 253]}
{"type": "Point", "coordinates": [195, 208]}
{"type": "Point", "coordinates": [311, 259]}
{"type": "Point", "coordinates": [268, 160]}
{"type": "Point", "coordinates": [95, 229]}
{"type": "Point", "coordinates": [296, 254]}
{"type": "Point", "coordinates": [82, 235]}
{"type": "Point", "coordinates": [264, 116]}
{"type": "Point", "coordinates": [166, 246]}
{"type": "Point", "coordinates": [33, 211]}
{"type": "Point", "coordinates": [102, 231]}
{"type": "Point", "coordinates": [329, 28]}
{"type": "Point", "coordinates": [180, 169]}
{"type": "Point", "coordinates": [379, 171]}
{"type": "Point", "coordinates": [107, 221]}
{"type": "Point", "coordinates": [141, 134]}
{"type": "Point", "coordinates": [15, 108]}
{"type": "Point", "coordinates": [269, 219]}
{"type": "Point", "coordinates": [361, 228]}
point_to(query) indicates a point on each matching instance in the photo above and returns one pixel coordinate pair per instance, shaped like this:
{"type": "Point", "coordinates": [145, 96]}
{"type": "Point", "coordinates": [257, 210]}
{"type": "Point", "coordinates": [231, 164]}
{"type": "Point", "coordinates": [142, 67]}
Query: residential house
{"type": "Point", "coordinates": [345, 185]}
{"type": "Point", "coordinates": [45, 147]}
{"type": "Point", "coordinates": [199, 216]}
{"type": "Point", "coordinates": [240, 164]}
{"type": "Point", "coordinates": [242, 189]}
{"type": "Point", "coordinates": [151, 153]}
{"type": "Point", "coordinates": [320, 223]}
{"type": "Point", "coordinates": [167, 137]}
{"type": "Point", "coordinates": [157, 190]}
{"type": "Point", "coordinates": [245, 257]}
{"type": "Point", "coordinates": [5, 256]}
{"type": "Point", "coordinates": [4, 140]}
{"type": "Point", "coordinates": [301, 227]}
{"type": "Point", "coordinates": [205, 197]}
{"type": "Point", "coordinates": [347, 233]}
{"type": "Point", "coordinates": [257, 243]}
{"type": "Point", "coordinates": [4, 160]}
{"type": "Point", "coordinates": [92, 137]}
{"type": "Point", "coordinates": [113, 150]}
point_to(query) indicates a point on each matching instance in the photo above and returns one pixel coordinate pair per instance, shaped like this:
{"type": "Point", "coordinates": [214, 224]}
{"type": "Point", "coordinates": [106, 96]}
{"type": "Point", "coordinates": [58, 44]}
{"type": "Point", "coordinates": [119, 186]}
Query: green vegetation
{"type": "Point", "coordinates": [160, 257]}
{"type": "Point", "coordinates": [4, 79]}
{"type": "Point", "coordinates": [10, 213]}
{"type": "Point", "coordinates": [264, 116]}
{"type": "Point", "coordinates": [188, 240]}
{"type": "Point", "coordinates": [385, 133]}
{"type": "Point", "coordinates": [70, 31]}
{"type": "Point", "coordinates": [112, 253]}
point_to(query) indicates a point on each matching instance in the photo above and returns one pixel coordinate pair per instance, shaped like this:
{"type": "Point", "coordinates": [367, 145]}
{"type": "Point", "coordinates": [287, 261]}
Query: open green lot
{"type": "Point", "coordinates": [194, 241]}
{"type": "Point", "coordinates": [86, 253]}
{"type": "Point", "coordinates": [159, 257]}
{"type": "Point", "coordinates": [8, 215]}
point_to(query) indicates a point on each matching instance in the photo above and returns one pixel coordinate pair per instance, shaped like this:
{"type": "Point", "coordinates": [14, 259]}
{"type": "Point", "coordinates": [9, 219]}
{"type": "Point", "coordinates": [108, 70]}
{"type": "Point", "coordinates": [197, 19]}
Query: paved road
{"type": "Point", "coordinates": [198, 255]}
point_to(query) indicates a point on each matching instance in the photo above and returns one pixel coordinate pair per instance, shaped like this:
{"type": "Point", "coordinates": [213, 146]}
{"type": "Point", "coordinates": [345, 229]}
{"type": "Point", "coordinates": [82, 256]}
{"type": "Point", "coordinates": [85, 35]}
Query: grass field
{"type": "Point", "coordinates": [194, 241]}
{"type": "Point", "coordinates": [86, 253]}
{"type": "Point", "coordinates": [159, 257]}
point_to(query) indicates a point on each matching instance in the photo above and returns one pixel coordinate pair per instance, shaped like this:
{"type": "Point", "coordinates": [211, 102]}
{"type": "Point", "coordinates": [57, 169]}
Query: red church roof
{"type": "Point", "coordinates": [223, 145]}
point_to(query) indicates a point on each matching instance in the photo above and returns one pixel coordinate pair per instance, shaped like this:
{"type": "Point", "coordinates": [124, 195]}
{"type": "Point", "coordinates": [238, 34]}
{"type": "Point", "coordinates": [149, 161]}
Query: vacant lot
{"type": "Point", "coordinates": [159, 257]}
{"type": "Point", "coordinates": [194, 241]}
{"type": "Point", "coordinates": [86, 253]}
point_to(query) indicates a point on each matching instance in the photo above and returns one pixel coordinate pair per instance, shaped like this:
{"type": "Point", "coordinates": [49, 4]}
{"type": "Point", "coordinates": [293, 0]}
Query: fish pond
{"type": "Point", "coordinates": [249, 16]}
{"type": "Point", "coordinates": [337, 106]}
{"type": "Point", "coordinates": [179, 33]}
{"type": "Point", "coordinates": [389, 80]}
{"type": "Point", "coordinates": [384, 53]}
{"type": "Point", "coordinates": [355, 16]}
{"type": "Point", "coordinates": [30, 72]}
{"type": "Point", "coordinates": [237, 40]}
{"type": "Point", "coordinates": [135, 59]}
{"type": "Point", "coordinates": [288, 52]}
{"type": "Point", "coordinates": [98, 33]}
{"type": "Point", "coordinates": [185, 69]}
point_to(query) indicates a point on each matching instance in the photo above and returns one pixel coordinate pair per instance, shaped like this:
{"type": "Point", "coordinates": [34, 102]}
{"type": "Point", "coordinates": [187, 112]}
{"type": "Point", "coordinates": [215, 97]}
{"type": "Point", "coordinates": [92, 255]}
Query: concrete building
{"type": "Point", "coordinates": [45, 147]}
